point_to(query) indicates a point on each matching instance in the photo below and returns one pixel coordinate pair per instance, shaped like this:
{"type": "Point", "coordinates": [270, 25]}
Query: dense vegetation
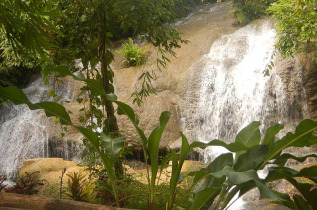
{"type": "Point", "coordinates": [50, 35]}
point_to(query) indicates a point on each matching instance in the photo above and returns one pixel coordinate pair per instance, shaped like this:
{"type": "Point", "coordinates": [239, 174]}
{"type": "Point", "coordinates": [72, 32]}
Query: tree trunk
{"type": "Point", "coordinates": [112, 125]}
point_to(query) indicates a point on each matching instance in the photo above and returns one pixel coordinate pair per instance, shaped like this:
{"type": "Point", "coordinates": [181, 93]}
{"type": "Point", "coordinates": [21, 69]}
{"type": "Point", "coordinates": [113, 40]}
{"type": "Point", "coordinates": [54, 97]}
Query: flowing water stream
{"type": "Point", "coordinates": [24, 133]}
{"type": "Point", "coordinates": [228, 90]}
{"type": "Point", "coordinates": [231, 90]}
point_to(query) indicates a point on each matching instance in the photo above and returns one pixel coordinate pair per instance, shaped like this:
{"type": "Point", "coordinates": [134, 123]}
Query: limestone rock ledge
{"type": "Point", "coordinates": [50, 168]}
{"type": "Point", "coordinates": [12, 200]}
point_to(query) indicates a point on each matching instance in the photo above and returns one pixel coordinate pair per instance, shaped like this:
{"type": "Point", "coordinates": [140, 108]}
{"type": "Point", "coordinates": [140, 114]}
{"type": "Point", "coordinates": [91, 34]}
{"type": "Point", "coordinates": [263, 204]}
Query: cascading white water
{"type": "Point", "coordinates": [230, 89]}
{"type": "Point", "coordinates": [23, 133]}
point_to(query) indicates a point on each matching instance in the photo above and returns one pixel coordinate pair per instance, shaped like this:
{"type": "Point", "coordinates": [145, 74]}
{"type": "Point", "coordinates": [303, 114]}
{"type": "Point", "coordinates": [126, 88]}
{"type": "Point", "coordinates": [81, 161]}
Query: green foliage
{"type": "Point", "coordinates": [27, 26]}
{"type": "Point", "coordinates": [27, 184]}
{"type": "Point", "coordinates": [230, 174]}
{"type": "Point", "coordinates": [75, 186]}
{"type": "Point", "coordinates": [147, 88]}
{"type": "Point", "coordinates": [296, 25]}
{"type": "Point", "coordinates": [134, 194]}
{"type": "Point", "coordinates": [134, 56]}
{"type": "Point", "coordinates": [249, 10]}
{"type": "Point", "coordinates": [226, 176]}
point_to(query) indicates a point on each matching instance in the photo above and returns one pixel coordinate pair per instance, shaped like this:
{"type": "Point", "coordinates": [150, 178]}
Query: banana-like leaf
{"type": "Point", "coordinates": [301, 138]}
{"type": "Point", "coordinates": [216, 165]}
{"type": "Point", "coordinates": [203, 197]}
{"type": "Point", "coordinates": [251, 159]}
{"type": "Point", "coordinates": [17, 96]}
{"type": "Point", "coordinates": [238, 178]}
{"type": "Point", "coordinates": [250, 135]}
{"type": "Point", "coordinates": [96, 86]}
{"type": "Point", "coordinates": [176, 169]}
{"type": "Point", "coordinates": [304, 189]}
{"type": "Point", "coordinates": [301, 203]}
{"type": "Point", "coordinates": [210, 181]}
{"type": "Point", "coordinates": [232, 147]}
{"type": "Point", "coordinates": [269, 137]}
{"type": "Point", "coordinates": [154, 143]}
{"type": "Point", "coordinates": [281, 160]}
{"type": "Point", "coordinates": [113, 146]}
{"type": "Point", "coordinates": [124, 109]}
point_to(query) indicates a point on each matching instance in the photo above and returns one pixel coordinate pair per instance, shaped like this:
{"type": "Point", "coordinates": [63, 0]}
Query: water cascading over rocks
{"type": "Point", "coordinates": [25, 134]}
{"type": "Point", "coordinates": [228, 89]}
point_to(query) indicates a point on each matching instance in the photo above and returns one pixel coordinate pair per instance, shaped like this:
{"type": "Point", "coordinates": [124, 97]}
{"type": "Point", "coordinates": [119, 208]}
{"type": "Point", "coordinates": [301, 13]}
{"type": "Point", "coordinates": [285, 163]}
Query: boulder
{"type": "Point", "coordinates": [10, 201]}
{"type": "Point", "coordinates": [50, 168]}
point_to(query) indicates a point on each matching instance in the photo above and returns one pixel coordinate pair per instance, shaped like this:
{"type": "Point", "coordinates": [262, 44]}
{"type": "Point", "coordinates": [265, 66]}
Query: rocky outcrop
{"type": "Point", "coordinates": [205, 26]}
{"type": "Point", "coordinates": [309, 69]}
{"type": "Point", "coordinates": [50, 169]}
{"type": "Point", "coordinates": [299, 77]}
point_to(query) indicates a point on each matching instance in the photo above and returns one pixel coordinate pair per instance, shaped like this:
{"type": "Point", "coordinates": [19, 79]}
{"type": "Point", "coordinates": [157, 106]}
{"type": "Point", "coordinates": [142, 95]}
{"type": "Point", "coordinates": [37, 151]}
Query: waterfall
{"type": "Point", "coordinates": [227, 89]}
{"type": "Point", "coordinates": [24, 133]}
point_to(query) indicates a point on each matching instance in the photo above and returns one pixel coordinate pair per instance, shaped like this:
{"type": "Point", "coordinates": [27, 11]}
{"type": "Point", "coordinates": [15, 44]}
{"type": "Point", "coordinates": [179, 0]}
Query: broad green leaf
{"type": "Point", "coordinates": [281, 160]}
{"type": "Point", "coordinates": [232, 147]}
{"type": "Point", "coordinates": [277, 173]}
{"type": "Point", "coordinates": [113, 146]}
{"type": "Point", "coordinates": [304, 189]}
{"type": "Point", "coordinates": [309, 172]}
{"type": "Point", "coordinates": [301, 203]}
{"type": "Point", "coordinates": [238, 178]}
{"type": "Point", "coordinates": [90, 135]}
{"type": "Point", "coordinates": [17, 96]}
{"type": "Point", "coordinates": [269, 137]}
{"type": "Point", "coordinates": [270, 194]}
{"type": "Point", "coordinates": [250, 135]}
{"type": "Point", "coordinates": [63, 71]}
{"type": "Point", "coordinates": [300, 138]}
{"type": "Point", "coordinates": [124, 109]}
{"type": "Point", "coordinates": [54, 109]}
{"type": "Point", "coordinates": [177, 167]}
{"type": "Point", "coordinates": [96, 87]}
{"type": "Point", "coordinates": [252, 159]}
{"type": "Point", "coordinates": [202, 197]}
{"type": "Point", "coordinates": [13, 94]}
{"type": "Point", "coordinates": [154, 143]}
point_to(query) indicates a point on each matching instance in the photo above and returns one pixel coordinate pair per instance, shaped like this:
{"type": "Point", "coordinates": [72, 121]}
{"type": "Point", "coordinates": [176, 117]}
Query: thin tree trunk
{"type": "Point", "coordinates": [110, 124]}
{"type": "Point", "coordinates": [105, 72]}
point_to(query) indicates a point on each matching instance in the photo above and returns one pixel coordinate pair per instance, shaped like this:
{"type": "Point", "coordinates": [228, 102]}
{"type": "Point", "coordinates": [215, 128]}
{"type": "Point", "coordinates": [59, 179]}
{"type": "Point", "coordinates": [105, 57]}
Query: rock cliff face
{"type": "Point", "coordinates": [202, 28]}
{"type": "Point", "coordinates": [309, 69]}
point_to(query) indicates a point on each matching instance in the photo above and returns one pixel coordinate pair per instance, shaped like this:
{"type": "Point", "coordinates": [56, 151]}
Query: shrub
{"type": "Point", "coordinates": [75, 186]}
{"type": "Point", "coordinates": [27, 184]}
{"type": "Point", "coordinates": [248, 11]}
{"type": "Point", "coordinates": [134, 56]}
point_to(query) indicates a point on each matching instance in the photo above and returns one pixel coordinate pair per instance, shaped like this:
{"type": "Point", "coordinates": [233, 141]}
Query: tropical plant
{"type": "Point", "coordinates": [134, 56]}
{"type": "Point", "coordinates": [296, 26]}
{"type": "Point", "coordinates": [249, 10]}
{"type": "Point", "coordinates": [224, 177]}
{"type": "Point", "coordinates": [75, 185]}
{"type": "Point", "coordinates": [27, 184]}
{"type": "Point", "coordinates": [236, 173]}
